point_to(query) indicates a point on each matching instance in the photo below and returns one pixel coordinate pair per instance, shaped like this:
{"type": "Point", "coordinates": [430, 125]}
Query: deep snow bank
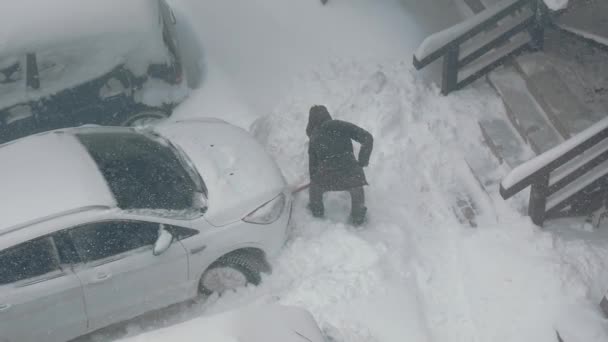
{"type": "Point", "coordinates": [258, 47]}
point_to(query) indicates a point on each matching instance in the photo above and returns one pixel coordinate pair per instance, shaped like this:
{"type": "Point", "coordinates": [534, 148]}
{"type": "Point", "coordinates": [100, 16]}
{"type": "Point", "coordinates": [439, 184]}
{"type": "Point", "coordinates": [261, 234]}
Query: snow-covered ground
{"type": "Point", "coordinates": [414, 273]}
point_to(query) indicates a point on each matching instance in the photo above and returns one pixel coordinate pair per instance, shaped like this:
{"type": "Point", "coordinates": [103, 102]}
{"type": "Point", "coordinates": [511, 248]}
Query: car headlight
{"type": "Point", "coordinates": [269, 212]}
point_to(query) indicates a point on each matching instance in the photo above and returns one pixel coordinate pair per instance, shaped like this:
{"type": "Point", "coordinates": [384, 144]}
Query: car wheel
{"type": "Point", "coordinates": [145, 118]}
{"type": "Point", "coordinates": [230, 272]}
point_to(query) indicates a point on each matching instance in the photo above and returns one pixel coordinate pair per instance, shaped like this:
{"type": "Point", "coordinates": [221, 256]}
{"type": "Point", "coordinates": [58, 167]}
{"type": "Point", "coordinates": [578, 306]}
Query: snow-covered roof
{"type": "Point", "coordinates": [27, 23]}
{"type": "Point", "coordinates": [76, 42]}
{"type": "Point", "coordinates": [46, 175]}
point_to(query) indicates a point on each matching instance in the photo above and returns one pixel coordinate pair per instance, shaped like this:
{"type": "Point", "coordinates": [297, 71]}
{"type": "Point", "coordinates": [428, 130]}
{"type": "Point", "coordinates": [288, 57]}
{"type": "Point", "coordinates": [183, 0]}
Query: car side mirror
{"type": "Point", "coordinates": [163, 242]}
{"type": "Point", "coordinates": [199, 201]}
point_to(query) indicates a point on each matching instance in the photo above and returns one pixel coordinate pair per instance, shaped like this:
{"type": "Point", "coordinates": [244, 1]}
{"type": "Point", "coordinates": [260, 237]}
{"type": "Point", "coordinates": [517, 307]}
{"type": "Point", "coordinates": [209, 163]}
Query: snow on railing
{"type": "Point", "coordinates": [573, 159]}
{"type": "Point", "coordinates": [556, 5]}
{"type": "Point", "coordinates": [442, 39]}
{"type": "Point", "coordinates": [552, 158]}
{"type": "Point", "coordinates": [487, 40]}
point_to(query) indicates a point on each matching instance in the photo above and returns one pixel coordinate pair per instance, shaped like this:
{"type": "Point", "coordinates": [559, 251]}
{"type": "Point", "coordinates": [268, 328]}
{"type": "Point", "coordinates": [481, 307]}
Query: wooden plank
{"type": "Point", "coordinates": [484, 42]}
{"type": "Point", "coordinates": [525, 113]}
{"type": "Point", "coordinates": [568, 114]}
{"type": "Point", "coordinates": [475, 5]}
{"type": "Point", "coordinates": [490, 58]}
{"type": "Point", "coordinates": [503, 141]}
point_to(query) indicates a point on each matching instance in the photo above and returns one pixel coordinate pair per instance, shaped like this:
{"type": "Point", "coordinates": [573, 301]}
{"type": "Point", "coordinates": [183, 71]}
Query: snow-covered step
{"type": "Point", "coordinates": [525, 113]}
{"type": "Point", "coordinates": [495, 57]}
{"type": "Point", "coordinates": [504, 142]}
{"type": "Point", "coordinates": [522, 19]}
{"type": "Point", "coordinates": [568, 114]}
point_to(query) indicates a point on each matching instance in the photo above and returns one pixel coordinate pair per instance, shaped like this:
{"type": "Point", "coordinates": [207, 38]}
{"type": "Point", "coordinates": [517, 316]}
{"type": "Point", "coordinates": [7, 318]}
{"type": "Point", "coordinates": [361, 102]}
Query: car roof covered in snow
{"type": "Point", "coordinates": [46, 175]}
{"type": "Point", "coordinates": [28, 23]}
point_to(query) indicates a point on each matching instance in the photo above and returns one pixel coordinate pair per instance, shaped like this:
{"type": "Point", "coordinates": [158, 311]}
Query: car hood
{"type": "Point", "coordinates": [240, 176]}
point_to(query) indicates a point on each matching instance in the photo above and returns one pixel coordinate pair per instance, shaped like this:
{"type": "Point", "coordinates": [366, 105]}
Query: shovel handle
{"type": "Point", "coordinates": [300, 188]}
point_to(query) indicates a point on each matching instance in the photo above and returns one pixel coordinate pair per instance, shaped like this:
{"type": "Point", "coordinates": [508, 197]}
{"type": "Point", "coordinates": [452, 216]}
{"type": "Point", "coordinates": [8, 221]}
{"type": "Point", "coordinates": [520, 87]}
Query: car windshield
{"type": "Point", "coordinates": [142, 171]}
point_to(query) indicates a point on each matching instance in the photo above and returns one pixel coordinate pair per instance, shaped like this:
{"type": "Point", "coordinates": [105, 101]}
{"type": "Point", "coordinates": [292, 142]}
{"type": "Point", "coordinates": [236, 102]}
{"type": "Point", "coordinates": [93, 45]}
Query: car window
{"type": "Point", "coordinates": [142, 173]}
{"type": "Point", "coordinates": [106, 239]}
{"type": "Point", "coordinates": [27, 260]}
{"type": "Point", "coordinates": [66, 249]}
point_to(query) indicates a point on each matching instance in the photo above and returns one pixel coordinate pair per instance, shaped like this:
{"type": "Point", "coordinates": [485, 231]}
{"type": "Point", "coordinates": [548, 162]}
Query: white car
{"type": "Point", "coordinates": [254, 323]}
{"type": "Point", "coordinates": [101, 224]}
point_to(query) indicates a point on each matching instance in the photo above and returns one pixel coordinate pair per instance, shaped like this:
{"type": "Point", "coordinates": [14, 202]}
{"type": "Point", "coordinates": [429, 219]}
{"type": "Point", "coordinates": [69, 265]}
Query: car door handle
{"type": "Point", "coordinates": [197, 250]}
{"type": "Point", "coordinates": [4, 307]}
{"type": "Point", "coordinates": [102, 276]}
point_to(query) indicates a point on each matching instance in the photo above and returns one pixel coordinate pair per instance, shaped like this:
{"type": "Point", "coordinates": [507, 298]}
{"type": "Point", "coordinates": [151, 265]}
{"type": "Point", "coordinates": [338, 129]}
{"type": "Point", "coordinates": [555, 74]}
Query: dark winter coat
{"type": "Point", "coordinates": [332, 162]}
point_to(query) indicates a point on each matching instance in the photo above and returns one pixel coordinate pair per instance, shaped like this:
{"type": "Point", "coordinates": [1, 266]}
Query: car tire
{"type": "Point", "coordinates": [230, 272]}
{"type": "Point", "coordinates": [145, 118]}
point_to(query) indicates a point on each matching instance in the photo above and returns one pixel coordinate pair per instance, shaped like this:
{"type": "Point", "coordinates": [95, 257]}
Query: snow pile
{"type": "Point", "coordinates": [259, 47]}
{"type": "Point", "coordinates": [506, 281]}
{"type": "Point", "coordinates": [415, 272]}
{"type": "Point", "coordinates": [28, 23]}
{"type": "Point", "coordinates": [556, 4]}
{"type": "Point", "coordinates": [75, 44]}
{"type": "Point", "coordinates": [259, 323]}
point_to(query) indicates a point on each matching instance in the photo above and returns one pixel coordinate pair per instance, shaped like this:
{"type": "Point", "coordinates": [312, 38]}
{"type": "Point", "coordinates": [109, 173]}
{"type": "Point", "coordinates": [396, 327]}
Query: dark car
{"type": "Point", "coordinates": [114, 64]}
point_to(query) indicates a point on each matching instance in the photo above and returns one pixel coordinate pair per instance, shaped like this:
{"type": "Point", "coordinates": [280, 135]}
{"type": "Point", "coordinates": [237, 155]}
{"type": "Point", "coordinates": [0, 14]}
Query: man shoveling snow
{"type": "Point", "coordinates": [332, 162]}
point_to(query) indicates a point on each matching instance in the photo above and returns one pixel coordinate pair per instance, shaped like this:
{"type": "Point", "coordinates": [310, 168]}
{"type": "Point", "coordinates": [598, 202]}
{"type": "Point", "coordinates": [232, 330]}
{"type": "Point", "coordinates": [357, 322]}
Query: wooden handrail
{"type": "Point", "coordinates": [524, 175]}
{"type": "Point", "coordinates": [537, 172]}
{"type": "Point", "coordinates": [469, 29]}
{"type": "Point", "coordinates": [450, 43]}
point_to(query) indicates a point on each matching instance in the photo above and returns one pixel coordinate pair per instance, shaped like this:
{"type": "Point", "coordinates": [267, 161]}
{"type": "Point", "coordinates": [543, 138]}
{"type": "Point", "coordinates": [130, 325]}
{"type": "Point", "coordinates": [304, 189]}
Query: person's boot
{"type": "Point", "coordinates": [359, 217]}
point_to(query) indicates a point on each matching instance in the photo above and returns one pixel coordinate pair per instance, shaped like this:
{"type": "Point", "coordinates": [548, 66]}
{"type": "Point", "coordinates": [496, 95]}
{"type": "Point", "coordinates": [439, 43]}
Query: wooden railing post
{"type": "Point", "coordinates": [538, 30]}
{"type": "Point", "coordinates": [538, 200]}
{"type": "Point", "coordinates": [450, 70]}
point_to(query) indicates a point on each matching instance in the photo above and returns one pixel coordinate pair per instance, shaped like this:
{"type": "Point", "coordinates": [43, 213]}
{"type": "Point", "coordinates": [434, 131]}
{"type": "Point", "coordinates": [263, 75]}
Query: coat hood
{"type": "Point", "coordinates": [317, 116]}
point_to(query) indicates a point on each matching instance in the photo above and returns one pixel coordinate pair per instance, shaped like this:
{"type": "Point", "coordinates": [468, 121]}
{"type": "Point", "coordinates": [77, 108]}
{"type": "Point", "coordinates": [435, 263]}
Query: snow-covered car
{"type": "Point", "coordinates": [101, 224]}
{"type": "Point", "coordinates": [254, 323]}
{"type": "Point", "coordinates": [65, 63]}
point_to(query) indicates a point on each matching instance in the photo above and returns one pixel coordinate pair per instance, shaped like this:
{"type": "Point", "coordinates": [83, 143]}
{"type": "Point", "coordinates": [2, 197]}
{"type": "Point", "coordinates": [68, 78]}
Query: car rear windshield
{"type": "Point", "coordinates": [142, 172]}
